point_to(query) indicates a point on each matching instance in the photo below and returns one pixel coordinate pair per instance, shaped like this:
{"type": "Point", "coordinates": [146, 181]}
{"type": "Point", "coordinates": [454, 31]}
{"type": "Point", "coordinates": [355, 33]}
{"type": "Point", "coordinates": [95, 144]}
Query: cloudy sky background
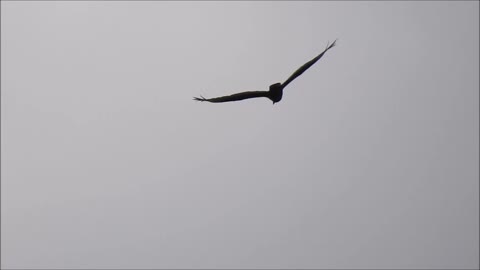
{"type": "Point", "coordinates": [369, 161]}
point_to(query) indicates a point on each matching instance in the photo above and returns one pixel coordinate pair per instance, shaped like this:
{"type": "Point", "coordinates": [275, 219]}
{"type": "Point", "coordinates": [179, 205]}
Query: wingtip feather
{"type": "Point", "coordinates": [333, 44]}
{"type": "Point", "coordinates": [201, 98]}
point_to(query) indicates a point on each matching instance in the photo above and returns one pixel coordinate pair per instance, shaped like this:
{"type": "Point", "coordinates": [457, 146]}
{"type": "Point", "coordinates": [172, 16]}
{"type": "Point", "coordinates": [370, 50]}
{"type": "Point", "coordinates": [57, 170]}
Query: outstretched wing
{"type": "Point", "coordinates": [234, 97]}
{"type": "Point", "coordinates": [299, 71]}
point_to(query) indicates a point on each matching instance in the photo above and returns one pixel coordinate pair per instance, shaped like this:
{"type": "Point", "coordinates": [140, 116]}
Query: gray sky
{"type": "Point", "coordinates": [369, 161]}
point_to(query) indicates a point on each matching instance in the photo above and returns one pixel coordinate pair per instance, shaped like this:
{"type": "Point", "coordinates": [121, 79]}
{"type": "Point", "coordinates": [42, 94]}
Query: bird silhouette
{"type": "Point", "coordinates": [275, 92]}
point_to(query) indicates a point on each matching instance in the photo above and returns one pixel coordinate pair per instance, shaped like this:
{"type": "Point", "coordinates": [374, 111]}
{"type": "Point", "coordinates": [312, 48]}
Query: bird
{"type": "Point", "coordinates": [275, 91]}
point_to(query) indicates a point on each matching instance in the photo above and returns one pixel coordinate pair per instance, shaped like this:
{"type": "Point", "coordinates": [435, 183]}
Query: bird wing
{"type": "Point", "coordinates": [234, 97]}
{"type": "Point", "coordinates": [302, 69]}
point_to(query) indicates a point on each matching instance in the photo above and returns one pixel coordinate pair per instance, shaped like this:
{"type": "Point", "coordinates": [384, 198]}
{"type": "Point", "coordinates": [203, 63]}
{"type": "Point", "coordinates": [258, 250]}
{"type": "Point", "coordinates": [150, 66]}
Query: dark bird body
{"type": "Point", "coordinates": [275, 92]}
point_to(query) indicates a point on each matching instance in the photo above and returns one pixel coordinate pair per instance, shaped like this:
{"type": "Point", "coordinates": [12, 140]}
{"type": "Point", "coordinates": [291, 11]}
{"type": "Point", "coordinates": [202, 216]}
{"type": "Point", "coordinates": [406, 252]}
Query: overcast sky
{"type": "Point", "coordinates": [369, 161]}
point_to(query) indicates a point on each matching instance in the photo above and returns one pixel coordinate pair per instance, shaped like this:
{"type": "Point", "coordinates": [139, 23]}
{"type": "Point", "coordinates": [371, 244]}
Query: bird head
{"type": "Point", "coordinates": [275, 86]}
{"type": "Point", "coordinates": [275, 92]}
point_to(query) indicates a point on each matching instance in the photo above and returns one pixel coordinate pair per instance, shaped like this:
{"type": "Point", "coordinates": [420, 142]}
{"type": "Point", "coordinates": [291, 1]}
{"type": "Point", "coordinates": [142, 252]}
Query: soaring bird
{"type": "Point", "coordinates": [276, 90]}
